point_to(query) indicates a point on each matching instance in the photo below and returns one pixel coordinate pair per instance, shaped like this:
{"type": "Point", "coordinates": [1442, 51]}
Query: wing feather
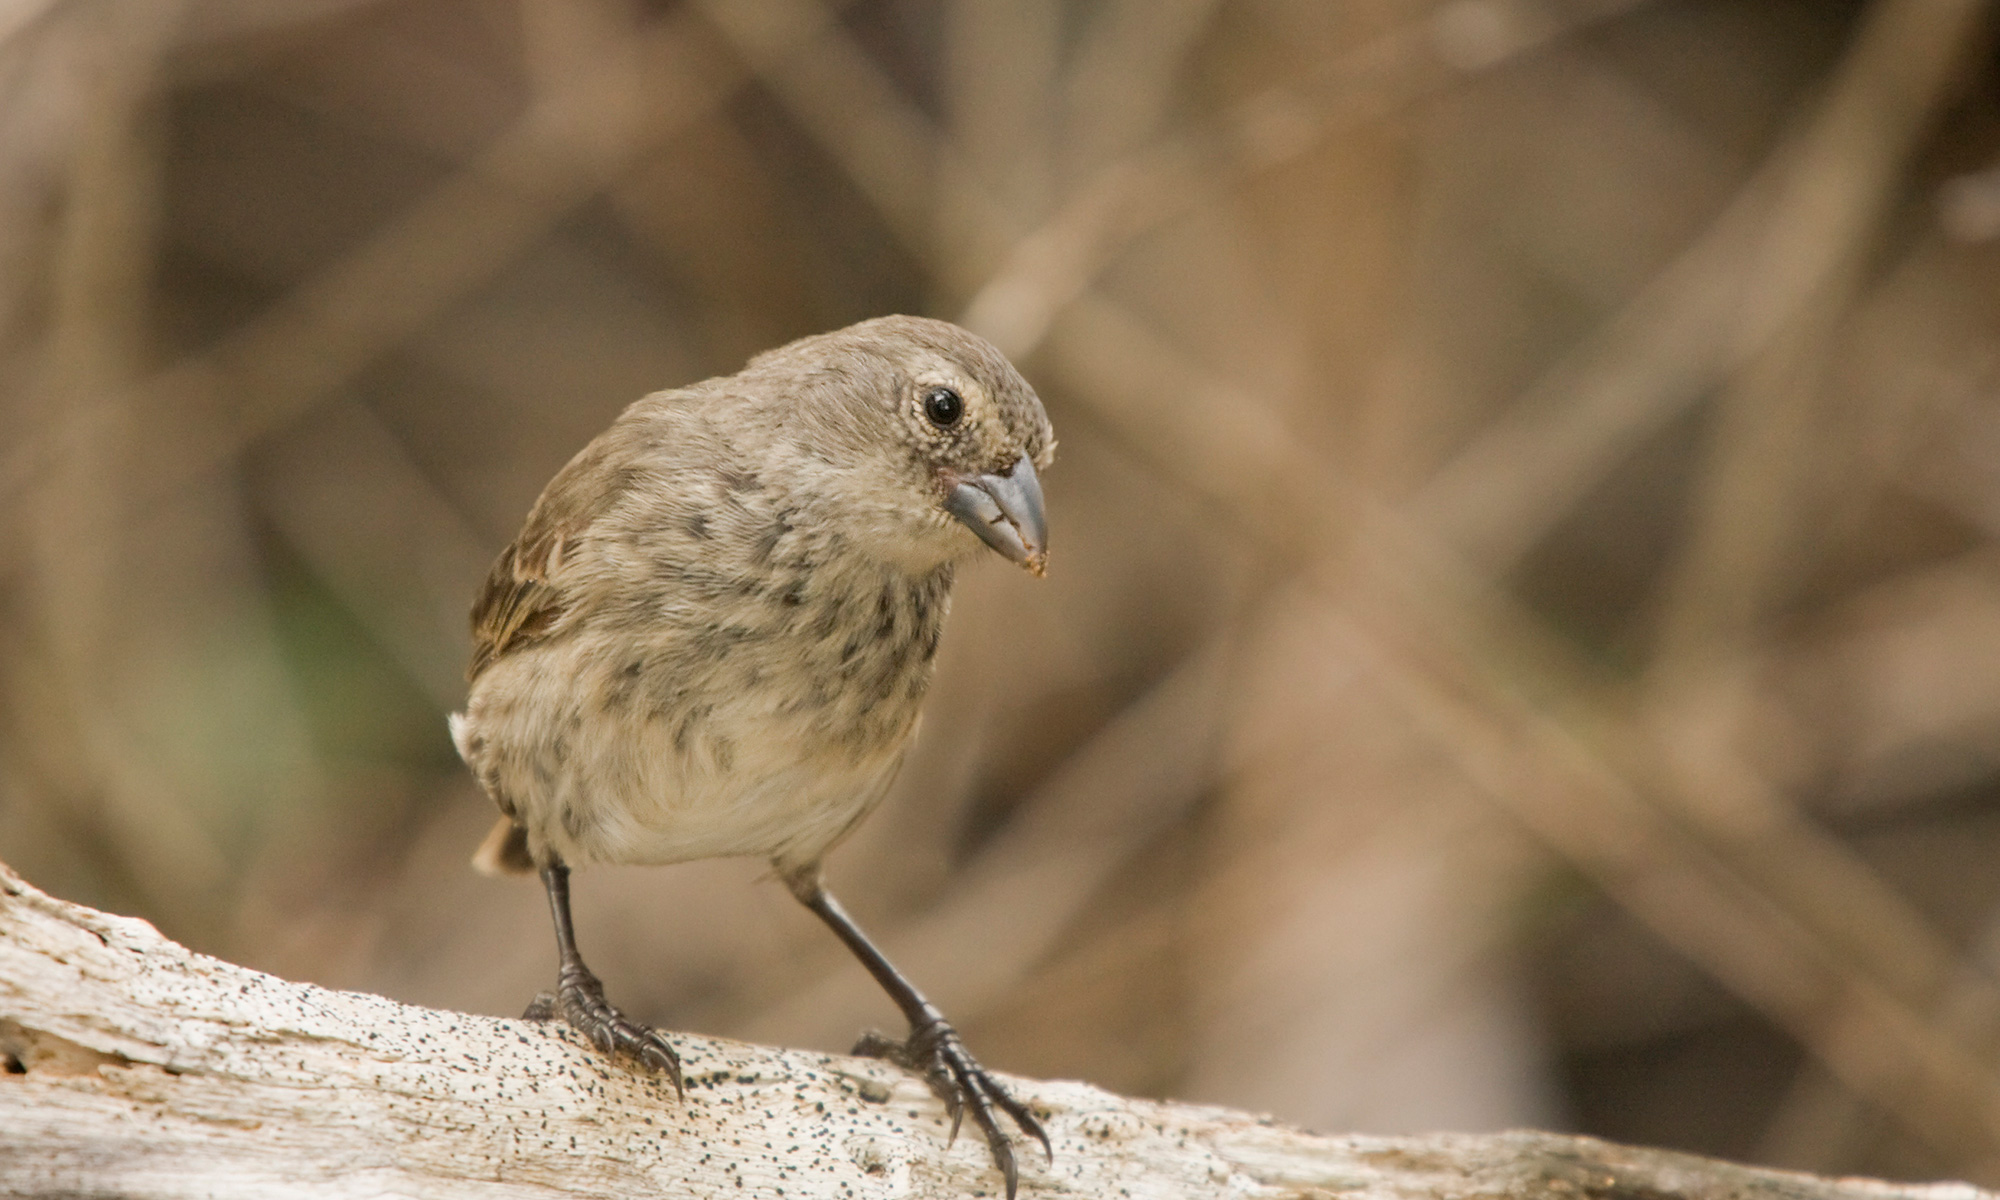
{"type": "Point", "coordinates": [524, 600]}
{"type": "Point", "coordinates": [519, 605]}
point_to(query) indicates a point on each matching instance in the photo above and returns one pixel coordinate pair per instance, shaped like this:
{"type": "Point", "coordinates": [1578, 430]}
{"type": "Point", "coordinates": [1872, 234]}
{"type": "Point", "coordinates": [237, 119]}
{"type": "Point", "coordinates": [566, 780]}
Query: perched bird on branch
{"type": "Point", "coordinates": [714, 634]}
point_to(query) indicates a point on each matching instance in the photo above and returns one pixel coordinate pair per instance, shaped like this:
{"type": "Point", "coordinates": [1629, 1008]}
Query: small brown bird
{"type": "Point", "coordinates": [714, 633]}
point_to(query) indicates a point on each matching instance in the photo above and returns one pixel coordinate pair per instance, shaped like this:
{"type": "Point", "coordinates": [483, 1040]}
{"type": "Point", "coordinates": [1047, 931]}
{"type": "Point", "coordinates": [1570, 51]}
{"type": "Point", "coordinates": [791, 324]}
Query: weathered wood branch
{"type": "Point", "coordinates": [136, 1067]}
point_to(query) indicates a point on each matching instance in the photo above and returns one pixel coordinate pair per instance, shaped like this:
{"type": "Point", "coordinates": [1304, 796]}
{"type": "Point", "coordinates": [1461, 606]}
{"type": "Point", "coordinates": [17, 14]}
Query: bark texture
{"type": "Point", "coordinates": [136, 1067]}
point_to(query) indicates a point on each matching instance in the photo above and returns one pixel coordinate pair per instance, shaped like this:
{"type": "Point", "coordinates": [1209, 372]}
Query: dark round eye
{"type": "Point", "coordinates": [943, 407]}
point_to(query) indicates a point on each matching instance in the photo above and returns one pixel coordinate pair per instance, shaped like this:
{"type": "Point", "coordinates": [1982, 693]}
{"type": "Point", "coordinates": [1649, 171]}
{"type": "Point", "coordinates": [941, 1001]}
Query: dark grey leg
{"type": "Point", "coordinates": [933, 1049]}
{"type": "Point", "coordinates": [579, 997]}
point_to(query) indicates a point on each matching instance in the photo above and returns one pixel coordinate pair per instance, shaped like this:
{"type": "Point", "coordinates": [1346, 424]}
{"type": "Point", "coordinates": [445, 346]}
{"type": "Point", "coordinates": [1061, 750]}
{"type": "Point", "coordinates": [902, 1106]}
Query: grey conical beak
{"type": "Point", "coordinates": [1006, 512]}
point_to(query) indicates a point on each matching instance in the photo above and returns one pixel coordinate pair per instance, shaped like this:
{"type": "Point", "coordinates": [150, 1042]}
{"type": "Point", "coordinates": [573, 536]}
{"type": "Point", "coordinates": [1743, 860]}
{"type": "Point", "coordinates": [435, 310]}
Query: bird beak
{"type": "Point", "coordinates": [1005, 511]}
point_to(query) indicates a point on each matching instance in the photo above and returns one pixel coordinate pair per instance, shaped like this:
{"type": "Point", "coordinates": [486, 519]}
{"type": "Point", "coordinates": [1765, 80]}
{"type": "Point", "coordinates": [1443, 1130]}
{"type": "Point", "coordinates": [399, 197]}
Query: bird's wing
{"type": "Point", "coordinates": [519, 605]}
{"type": "Point", "coordinates": [524, 599]}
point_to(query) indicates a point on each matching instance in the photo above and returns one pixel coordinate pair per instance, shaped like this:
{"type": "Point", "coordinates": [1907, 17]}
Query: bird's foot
{"type": "Point", "coordinates": [579, 999]}
{"type": "Point", "coordinates": [935, 1052]}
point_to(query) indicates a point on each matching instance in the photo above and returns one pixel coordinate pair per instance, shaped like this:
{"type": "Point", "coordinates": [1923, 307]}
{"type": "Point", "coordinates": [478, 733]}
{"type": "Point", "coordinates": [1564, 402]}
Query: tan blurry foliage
{"type": "Point", "coordinates": [1523, 595]}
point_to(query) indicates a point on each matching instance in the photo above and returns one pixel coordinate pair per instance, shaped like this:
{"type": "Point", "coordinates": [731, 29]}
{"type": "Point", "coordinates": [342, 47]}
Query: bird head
{"type": "Point", "coordinates": [922, 434]}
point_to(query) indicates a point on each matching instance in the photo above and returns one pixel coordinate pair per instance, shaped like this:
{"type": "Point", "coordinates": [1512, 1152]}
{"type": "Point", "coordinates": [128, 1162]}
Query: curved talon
{"type": "Point", "coordinates": [935, 1052]}
{"type": "Point", "coordinates": [580, 999]}
{"type": "Point", "coordinates": [1027, 1121]}
{"type": "Point", "coordinates": [955, 1107]}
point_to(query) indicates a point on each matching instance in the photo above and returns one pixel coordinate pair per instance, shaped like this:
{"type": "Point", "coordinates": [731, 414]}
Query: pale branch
{"type": "Point", "coordinates": [136, 1067]}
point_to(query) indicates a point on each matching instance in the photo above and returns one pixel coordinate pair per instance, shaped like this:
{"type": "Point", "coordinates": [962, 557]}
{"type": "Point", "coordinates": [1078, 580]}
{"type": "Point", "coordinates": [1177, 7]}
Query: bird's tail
{"type": "Point", "coordinates": [505, 850]}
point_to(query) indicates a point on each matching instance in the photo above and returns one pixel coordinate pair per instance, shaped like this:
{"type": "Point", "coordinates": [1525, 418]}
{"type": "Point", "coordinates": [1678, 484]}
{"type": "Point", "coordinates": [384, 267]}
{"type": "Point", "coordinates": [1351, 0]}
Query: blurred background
{"type": "Point", "coordinates": [1522, 645]}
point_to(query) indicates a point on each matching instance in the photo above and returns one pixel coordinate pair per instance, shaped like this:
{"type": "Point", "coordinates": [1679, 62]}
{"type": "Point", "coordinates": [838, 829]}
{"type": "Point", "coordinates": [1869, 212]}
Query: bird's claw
{"type": "Point", "coordinates": [579, 1000]}
{"type": "Point", "coordinates": [935, 1052]}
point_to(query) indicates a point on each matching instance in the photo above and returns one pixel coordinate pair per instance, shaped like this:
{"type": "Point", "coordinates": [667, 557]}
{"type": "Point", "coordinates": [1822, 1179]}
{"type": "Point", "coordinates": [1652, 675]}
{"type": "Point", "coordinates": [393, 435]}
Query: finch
{"type": "Point", "coordinates": [714, 633]}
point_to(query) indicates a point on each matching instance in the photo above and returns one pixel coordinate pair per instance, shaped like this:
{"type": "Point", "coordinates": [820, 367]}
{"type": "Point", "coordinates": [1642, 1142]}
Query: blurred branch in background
{"type": "Point", "coordinates": [1519, 648]}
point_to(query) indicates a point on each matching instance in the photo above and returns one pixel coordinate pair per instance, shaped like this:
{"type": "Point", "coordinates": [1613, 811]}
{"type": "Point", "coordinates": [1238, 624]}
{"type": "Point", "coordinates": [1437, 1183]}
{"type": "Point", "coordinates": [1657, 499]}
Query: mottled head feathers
{"type": "Point", "coordinates": [863, 406]}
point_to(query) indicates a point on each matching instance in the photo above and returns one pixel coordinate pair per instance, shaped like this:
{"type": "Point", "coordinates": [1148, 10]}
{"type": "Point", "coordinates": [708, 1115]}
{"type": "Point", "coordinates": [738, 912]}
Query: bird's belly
{"type": "Point", "coordinates": [713, 771]}
{"type": "Point", "coordinates": [779, 793]}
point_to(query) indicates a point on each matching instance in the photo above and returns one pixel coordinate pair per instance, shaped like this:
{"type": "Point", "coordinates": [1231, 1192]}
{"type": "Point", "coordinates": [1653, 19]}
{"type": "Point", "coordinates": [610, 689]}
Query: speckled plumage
{"type": "Point", "coordinates": [716, 629]}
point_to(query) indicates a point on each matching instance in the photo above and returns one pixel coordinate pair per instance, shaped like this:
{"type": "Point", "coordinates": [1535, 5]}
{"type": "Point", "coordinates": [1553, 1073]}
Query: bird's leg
{"type": "Point", "coordinates": [579, 997]}
{"type": "Point", "coordinates": [933, 1049]}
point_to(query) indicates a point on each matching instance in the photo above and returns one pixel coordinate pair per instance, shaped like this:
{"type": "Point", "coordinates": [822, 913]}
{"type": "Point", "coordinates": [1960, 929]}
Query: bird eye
{"type": "Point", "coordinates": [943, 407]}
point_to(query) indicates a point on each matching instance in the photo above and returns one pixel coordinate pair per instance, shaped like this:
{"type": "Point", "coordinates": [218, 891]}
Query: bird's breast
{"type": "Point", "coordinates": [761, 718]}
